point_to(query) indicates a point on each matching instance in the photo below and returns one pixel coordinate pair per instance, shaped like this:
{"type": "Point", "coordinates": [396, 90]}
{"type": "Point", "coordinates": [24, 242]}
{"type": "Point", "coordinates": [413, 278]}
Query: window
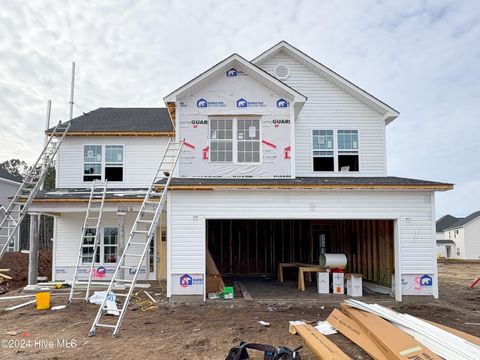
{"type": "Point", "coordinates": [106, 249]}
{"type": "Point", "coordinates": [335, 150]}
{"type": "Point", "coordinates": [221, 140]}
{"type": "Point", "coordinates": [114, 162]}
{"type": "Point", "coordinates": [348, 150]}
{"type": "Point", "coordinates": [87, 249]}
{"type": "Point", "coordinates": [235, 140]}
{"type": "Point", "coordinates": [458, 251]}
{"type": "Point", "coordinates": [323, 150]}
{"type": "Point", "coordinates": [248, 141]}
{"type": "Point", "coordinates": [110, 244]}
{"type": "Point", "coordinates": [92, 162]}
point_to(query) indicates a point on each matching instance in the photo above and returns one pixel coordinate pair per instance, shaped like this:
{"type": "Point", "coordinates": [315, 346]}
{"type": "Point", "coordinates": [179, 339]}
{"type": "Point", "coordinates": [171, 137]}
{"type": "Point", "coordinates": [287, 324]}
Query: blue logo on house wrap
{"type": "Point", "coordinates": [243, 103]}
{"type": "Point", "coordinates": [232, 72]}
{"type": "Point", "coordinates": [186, 280]}
{"type": "Point", "coordinates": [426, 280]}
{"type": "Point", "coordinates": [282, 103]}
{"type": "Point", "coordinates": [202, 103]}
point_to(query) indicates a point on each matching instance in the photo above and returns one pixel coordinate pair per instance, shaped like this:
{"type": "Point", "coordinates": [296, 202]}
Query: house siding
{"type": "Point", "coordinates": [8, 190]}
{"type": "Point", "coordinates": [472, 239]}
{"type": "Point", "coordinates": [188, 211]}
{"type": "Point", "coordinates": [141, 159]}
{"type": "Point", "coordinates": [330, 107]}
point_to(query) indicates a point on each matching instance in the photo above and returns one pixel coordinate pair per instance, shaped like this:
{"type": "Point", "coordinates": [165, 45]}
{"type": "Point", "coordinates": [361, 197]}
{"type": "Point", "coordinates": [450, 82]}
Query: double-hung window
{"type": "Point", "coordinates": [103, 161]}
{"type": "Point", "coordinates": [347, 150]}
{"type": "Point", "coordinates": [221, 140]}
{"type": "Point", "coordinates": [114, 162]}
{"type": "Point", "coordinates": [235, 140]}
{"type": "Point", "coordinates": [92, 162]}
{"type": "Point", "coordinates": [110, 245]}
{"type": "Point", "coordinates": [248, 140]}
{"type": "Point", "coordinates": [335, 150]}
{"type": "Point", "coordinates": [323, 152]}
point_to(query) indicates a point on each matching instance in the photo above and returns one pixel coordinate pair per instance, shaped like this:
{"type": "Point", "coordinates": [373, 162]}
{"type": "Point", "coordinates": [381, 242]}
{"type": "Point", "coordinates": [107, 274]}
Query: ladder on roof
{"type": "Point", "coordinates": [18, 207]}
{"type": "Point", "coordinates": [90, 238]}
{"type": "Point", "coordinates": [142, 232]}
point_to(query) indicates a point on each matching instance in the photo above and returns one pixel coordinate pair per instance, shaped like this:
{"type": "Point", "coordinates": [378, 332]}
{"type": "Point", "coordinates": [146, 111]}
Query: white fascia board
{"type": "Point", "coordinates": [224, 65]}
{"type": "Point", "coordinates": [389, 112]}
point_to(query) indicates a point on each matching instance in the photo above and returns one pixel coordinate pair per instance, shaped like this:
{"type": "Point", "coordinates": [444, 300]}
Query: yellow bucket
{"type": "Point", "coordinates": [43, 300]}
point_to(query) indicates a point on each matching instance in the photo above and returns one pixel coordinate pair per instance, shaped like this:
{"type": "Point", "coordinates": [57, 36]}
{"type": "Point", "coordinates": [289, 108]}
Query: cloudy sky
{"type": "Point", "coordinates": [421, 57]}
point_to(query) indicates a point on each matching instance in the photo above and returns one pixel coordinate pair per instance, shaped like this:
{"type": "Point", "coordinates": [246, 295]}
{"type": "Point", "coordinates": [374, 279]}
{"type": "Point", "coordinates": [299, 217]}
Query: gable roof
{"type": "Point", "coordinates": [6, 175]}
{"type": "Point", "coordinates": [444, 222]}
{"type": "Point", "coordinates": [224, 65]}
{"type": "Point", "coordinates": [378, 105]}
{"type": "Point", "coordinates": [463, 221]}
{"type": "Point", "coordinates": [138, 121]}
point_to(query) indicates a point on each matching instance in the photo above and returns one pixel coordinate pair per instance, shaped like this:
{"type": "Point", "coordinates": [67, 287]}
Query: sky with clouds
{"type": "Point", "coordinates": [421, 57]}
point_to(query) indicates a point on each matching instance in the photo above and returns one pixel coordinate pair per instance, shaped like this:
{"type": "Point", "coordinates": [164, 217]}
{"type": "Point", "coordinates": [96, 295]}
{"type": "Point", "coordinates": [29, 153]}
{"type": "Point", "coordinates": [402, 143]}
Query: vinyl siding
{"type": "Point", "coordinates": [329, 107]}
{"type": "Point", "coordinates": [472, 239]}
{"type": "Point", "coordinates": [141, 158]}
{"type": "Point", "coordinates": [190, 209]}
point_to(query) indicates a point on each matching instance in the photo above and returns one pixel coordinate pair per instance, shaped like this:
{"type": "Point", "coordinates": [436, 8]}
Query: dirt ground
{"type": "Point", "coordinates": [17, 262]}
{"type": "Point", "coordinates": [207, 331]}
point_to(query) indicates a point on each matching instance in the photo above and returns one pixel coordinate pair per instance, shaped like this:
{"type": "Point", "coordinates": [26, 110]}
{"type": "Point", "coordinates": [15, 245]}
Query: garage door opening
{"type": "Point", "coordinates": [248, 252]}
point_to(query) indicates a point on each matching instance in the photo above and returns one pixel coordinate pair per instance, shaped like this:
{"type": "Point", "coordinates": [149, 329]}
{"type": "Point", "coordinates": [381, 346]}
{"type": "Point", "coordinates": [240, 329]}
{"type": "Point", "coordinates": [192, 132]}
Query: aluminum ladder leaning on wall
{"type": "Point", "coordinates": [18, 207]}
{"type": "Point", "coordinates": [90, 237]}
{"type": "Point", "coordinates": [143, 231]}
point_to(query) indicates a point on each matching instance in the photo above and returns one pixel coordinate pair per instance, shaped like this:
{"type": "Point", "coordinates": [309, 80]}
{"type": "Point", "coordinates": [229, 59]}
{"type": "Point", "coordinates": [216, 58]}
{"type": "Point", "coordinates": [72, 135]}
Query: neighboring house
{"type": "Point", "coordinates": [283, 160]}
{"type": "Point", "coordinates": [461, 234]}
{"type": "Point", "coordinates": [9, 185]}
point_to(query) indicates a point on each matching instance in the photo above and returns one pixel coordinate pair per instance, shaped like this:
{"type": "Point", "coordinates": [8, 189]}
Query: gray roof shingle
{"type": "Point", "coordinates": [462, 221]}
{"type": "Point", "coordinates": [4, 174]}
{"type": "Point", "coordinates": [444, 222]}
{"type": "Point", "coordinates": [122, 120]}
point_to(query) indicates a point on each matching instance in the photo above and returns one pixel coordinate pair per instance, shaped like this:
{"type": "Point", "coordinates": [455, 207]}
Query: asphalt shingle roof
{"type": "Point", "coordinates": [445, 222]}
{"type": "Point", "coordinates": [122, 120]}
{"type": "Point", "coordinates": [4, 174]}
{"type": "Point", "coordinates": [462, 221]}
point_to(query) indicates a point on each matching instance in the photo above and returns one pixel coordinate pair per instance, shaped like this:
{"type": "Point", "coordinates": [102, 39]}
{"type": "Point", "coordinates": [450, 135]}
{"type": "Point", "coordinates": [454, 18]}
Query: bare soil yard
{"type": "Point", "coordinates": [207, 331]}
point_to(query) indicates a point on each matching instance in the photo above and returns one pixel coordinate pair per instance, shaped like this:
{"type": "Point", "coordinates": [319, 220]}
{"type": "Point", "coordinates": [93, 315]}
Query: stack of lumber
{"type": "Point", "coordinates": [388, 335]}
{"type": "Point", "coordinates": [214, 278]}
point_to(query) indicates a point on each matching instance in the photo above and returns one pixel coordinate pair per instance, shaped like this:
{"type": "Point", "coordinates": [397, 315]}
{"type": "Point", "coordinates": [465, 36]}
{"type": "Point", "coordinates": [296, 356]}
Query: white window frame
{"type": "Point", "coordinates": [235, 139]}
{"type": "Point", "coordinates": [336, 169]}
{"type": "Point", "coordinates": [122, 164]}
{"type": "Point", "coordinates": [103, 162]}
{"type": "Point", "coordinates": [101, 248]}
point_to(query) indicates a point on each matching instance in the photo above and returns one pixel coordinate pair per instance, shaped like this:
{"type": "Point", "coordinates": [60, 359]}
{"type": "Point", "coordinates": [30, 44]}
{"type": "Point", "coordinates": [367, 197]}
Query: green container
{"type": "Point", "coordinates": [227, 292]}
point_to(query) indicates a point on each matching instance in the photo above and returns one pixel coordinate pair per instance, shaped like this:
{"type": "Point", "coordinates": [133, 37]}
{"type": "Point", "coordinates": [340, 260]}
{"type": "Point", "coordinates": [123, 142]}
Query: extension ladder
{"type": "Point", "coordinates": [18, 207]}
{"type": "Point", "coordinates": [143, 231]}
{"type": "Point", "coordinates": [90, 237]}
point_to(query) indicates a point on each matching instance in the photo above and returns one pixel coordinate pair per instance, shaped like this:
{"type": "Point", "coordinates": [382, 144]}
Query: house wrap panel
{"type": "Point", "coordinates": [234, 96]}
{"type": "Point", "coordinates": [141, 158]}
{"type": "Point", "coordinates": [189, 209]}
{"type": "Point", "coordinates": [330, 107]}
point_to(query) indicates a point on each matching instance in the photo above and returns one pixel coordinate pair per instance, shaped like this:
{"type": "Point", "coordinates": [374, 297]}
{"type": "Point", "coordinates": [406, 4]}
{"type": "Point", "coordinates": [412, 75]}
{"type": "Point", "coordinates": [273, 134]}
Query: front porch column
{"type": "Point", "coordinates": [33, 250]}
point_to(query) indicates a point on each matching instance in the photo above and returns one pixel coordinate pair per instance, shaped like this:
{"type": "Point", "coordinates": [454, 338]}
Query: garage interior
{"type": "Point", "coordinates": [248, 252]}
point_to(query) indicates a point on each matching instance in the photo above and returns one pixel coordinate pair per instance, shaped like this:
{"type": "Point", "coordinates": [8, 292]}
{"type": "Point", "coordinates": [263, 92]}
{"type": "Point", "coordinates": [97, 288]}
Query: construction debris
{"type": "Point", "coordinates": [20, 305]}
{"type": "Point", "coordinates": [322, 347]}
{"type": "Point", "coordinates": [326, 328]}
{"type": "Point", "coordinates": [111, 305]}
{"type": "Point", "coordinates": [440, 342]}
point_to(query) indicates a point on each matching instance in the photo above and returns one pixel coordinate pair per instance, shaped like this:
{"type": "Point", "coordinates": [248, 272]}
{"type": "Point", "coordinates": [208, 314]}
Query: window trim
{"type": "Point", "coordinates": [103, 163]}
{"type": "Point", "coordinates": [336, 170]}
{"type": "Point", "coordinates": [235, 140]}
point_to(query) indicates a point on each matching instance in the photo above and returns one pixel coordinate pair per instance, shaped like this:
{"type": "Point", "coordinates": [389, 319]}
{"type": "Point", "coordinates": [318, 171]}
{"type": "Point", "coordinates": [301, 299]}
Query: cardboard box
{"type": "Point", "coordinates": [214, 284]}
{"type": "Point", "coordinates": [323, 282]}
{"type": "Point", "coordinates": [354, 285]}
{"type": "Point", "coordinates": [338, 283]}
{"type": "Point", "coordinates": [394, 343]}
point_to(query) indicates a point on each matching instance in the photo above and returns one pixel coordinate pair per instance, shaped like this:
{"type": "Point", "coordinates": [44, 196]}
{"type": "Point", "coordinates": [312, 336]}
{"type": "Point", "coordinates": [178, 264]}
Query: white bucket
{"type": "Point", "coordinates": [338, 261]}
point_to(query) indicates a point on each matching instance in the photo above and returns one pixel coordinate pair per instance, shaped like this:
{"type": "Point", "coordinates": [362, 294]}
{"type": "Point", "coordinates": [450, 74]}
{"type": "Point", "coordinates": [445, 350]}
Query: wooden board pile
{"type": "Point", "coordinates": [388, 335]}
{"type": "Point", "coordinates": [215, 282]}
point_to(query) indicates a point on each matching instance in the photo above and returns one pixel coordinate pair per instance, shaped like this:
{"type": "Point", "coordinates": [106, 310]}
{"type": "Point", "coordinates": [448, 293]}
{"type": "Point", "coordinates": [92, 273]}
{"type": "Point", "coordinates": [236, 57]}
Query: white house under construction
{"type": "Point", "coordinates": [282, 160]}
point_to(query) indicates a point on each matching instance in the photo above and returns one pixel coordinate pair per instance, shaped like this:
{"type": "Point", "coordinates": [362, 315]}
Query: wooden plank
{"type": "Point", "coordinates": [375, 251]}
{"type": "Point", "coordinates": [369, 249]}
{"type": "Point", "coordinates": [4, 270]}
{"type": "Point", "coordinates": [5, 276]}
{"type": "Point", "coordinates": [244, 291]}
{"type": "Point", "coordinates": [322, 347]}
{"type": "Point", "coordinates": [352, 330]}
